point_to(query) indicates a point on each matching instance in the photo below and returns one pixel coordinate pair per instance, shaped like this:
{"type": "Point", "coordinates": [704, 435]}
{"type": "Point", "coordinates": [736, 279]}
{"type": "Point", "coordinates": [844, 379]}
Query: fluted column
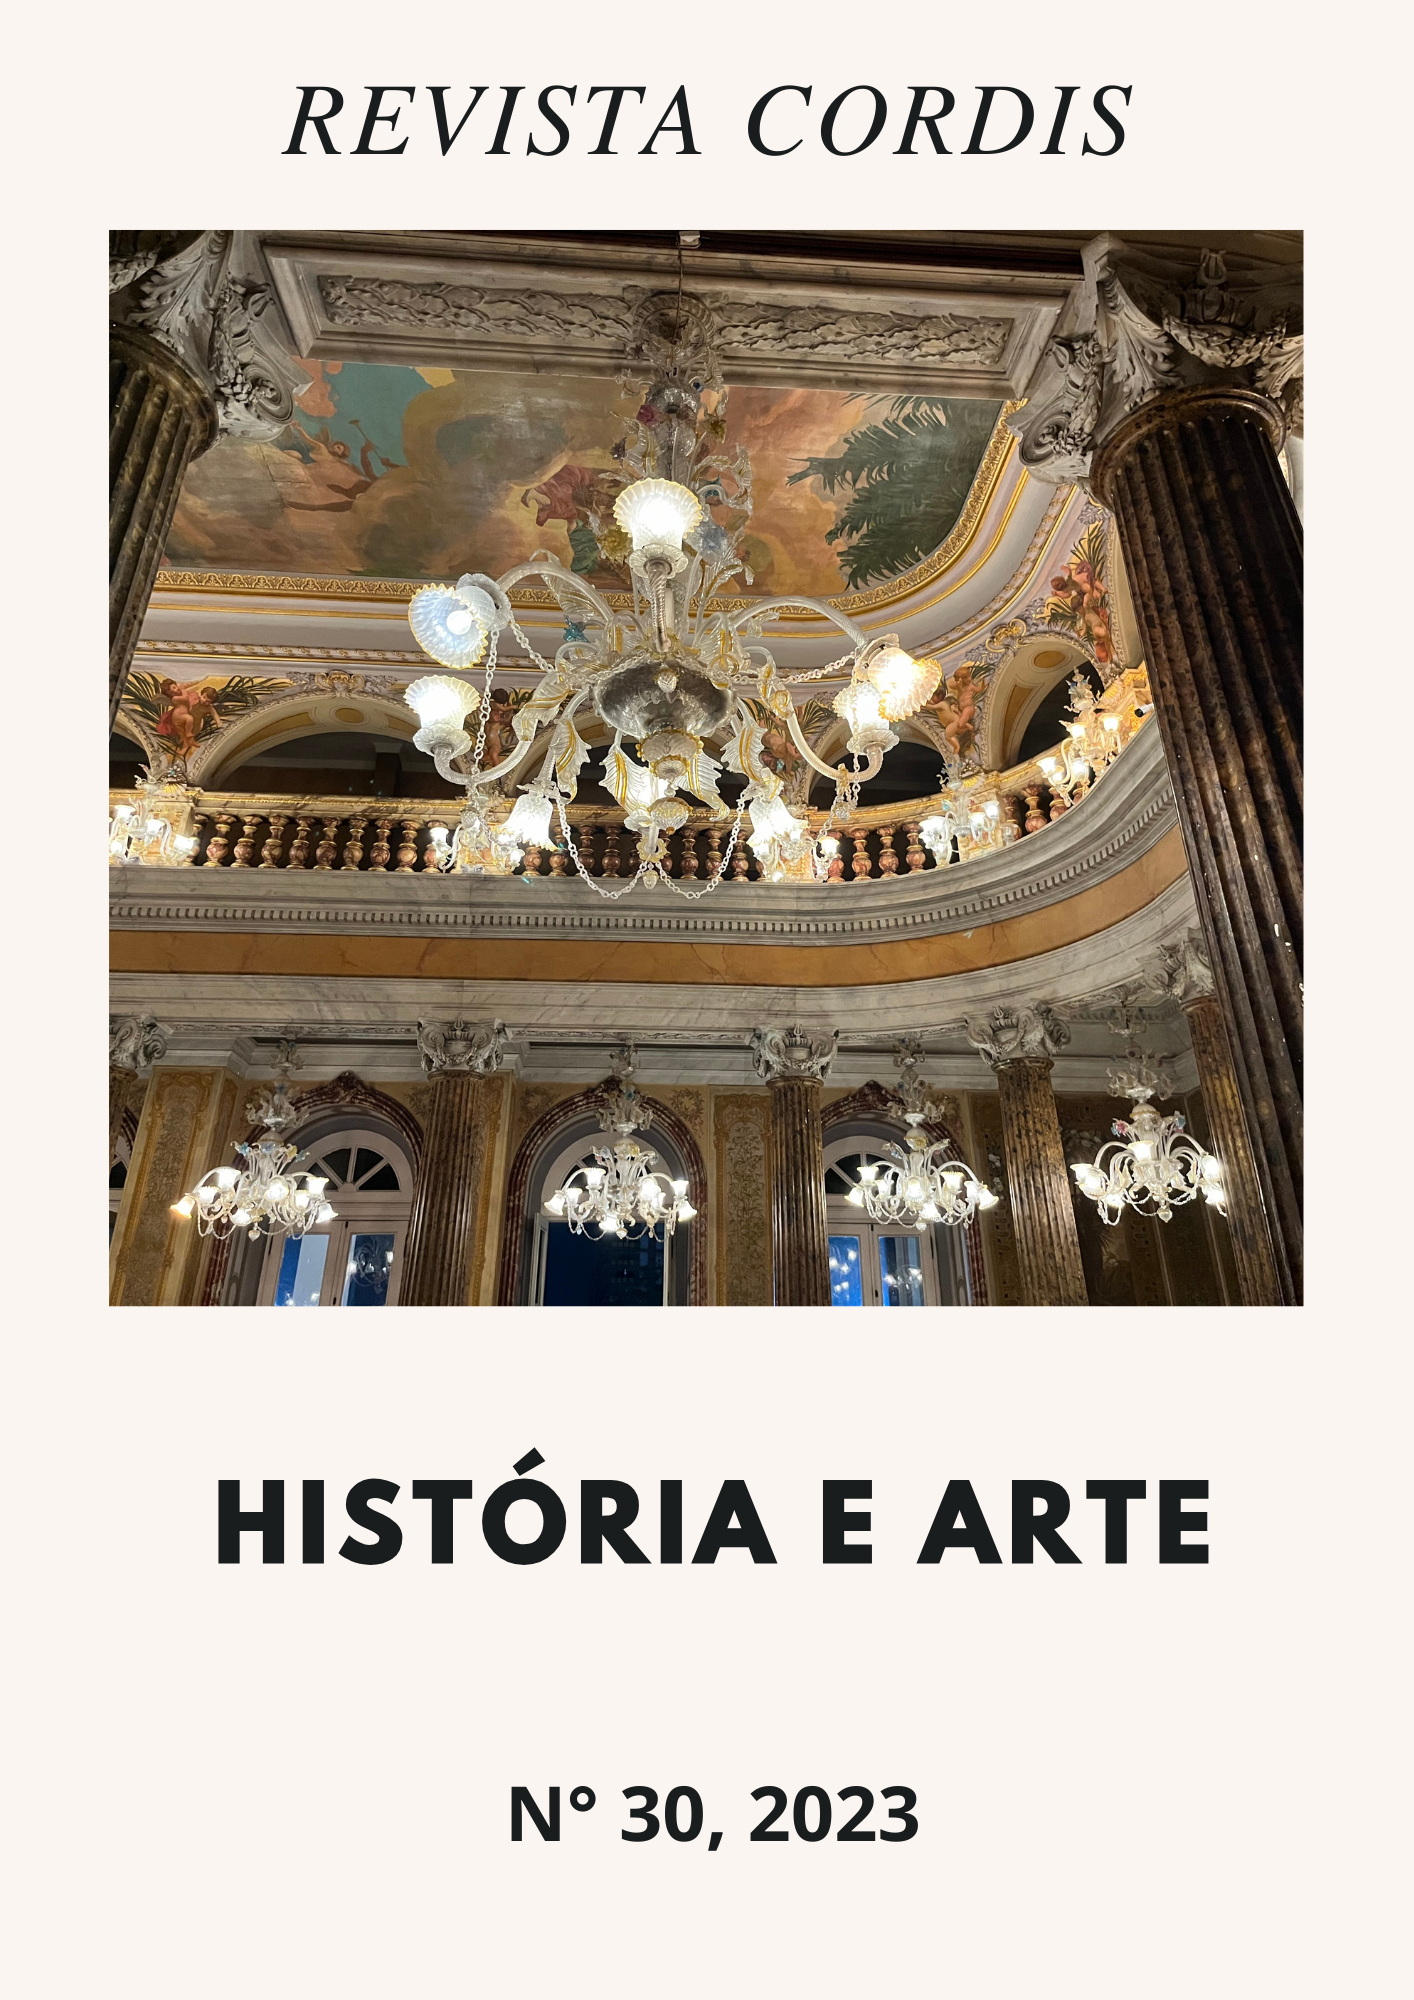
{"type": "Point", "coordinates": [795, 1065]}
{"type": "Point", "coordinates": [449, 1195]}
{"type": "Point", "coordinates": [446, 1202]}
{"type": "Point", "coordinates": [1018, 1046]}
{"type": "Point", "coordinates": [1182, 972]}
{"type": "Point", "coordinates": [1172, 398]}
{"type": "Point", "coordinates": [197, 347]}
{"type": "Point", "coordinates": [1213, 550]}
{"type": "Point", "coordinates": [160, 418]}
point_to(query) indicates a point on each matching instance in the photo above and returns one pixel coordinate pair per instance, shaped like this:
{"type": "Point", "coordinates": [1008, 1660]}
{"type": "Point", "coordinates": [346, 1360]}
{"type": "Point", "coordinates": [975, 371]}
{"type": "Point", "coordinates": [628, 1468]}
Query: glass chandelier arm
{"type": "Point", "coordinates": [798, 738]}
{"type": "Point", "coordinates": [760, 606]}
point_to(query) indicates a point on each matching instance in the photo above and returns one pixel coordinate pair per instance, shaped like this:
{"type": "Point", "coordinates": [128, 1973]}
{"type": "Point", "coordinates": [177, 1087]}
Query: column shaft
{"type": "Point", "coordinates": [448, 1199]}
{"type": "Point", "coordinates": [161, 417]}
{"type": "Point", "coordinates": [800, 1235]}
{"type": "Point", "coordinates": [1047, 1242]}
{"type": "Point", "coordinates": [1251, 1240]}
{"type": "Point", "coordinates": [1212, 545]}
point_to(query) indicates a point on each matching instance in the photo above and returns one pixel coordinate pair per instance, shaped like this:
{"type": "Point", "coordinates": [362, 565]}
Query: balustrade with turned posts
{"type": "Point", "coordinates": [369, 835]}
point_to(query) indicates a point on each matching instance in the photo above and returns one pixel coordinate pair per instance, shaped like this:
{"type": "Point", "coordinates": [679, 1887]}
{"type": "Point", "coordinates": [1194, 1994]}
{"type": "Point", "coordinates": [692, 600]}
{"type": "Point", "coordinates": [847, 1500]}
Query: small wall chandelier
{"type": "Point", "coordinates": [269, 1194]}
{"type": "Point", "coordinates": [1152, 1164]}
{"type": "Point", "coordinates": [926, 1184]}
{"type": "Point", "coordinates": [682, 668]}
{"type": "Point", "coordinates": [623, 1194]}
{"type": "Point", "coordinates": [146, 833]}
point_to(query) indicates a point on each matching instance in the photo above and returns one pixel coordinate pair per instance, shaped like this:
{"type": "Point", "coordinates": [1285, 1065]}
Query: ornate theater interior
{"type": "Point", "coordinates": [705, 770]}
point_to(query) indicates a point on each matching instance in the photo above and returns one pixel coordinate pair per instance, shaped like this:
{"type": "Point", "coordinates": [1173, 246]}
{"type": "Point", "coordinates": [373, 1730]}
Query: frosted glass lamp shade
{"type": "Point", "coordinates": [439, 703]}
{"type": "Point", "coordinates": [452, 626]}
{"type": "Point", "coordinates": [903, 684]}
{"type": "Point", "coordinates": [657, 513]}
{"type": "Point", "coordinates": [529, 822]}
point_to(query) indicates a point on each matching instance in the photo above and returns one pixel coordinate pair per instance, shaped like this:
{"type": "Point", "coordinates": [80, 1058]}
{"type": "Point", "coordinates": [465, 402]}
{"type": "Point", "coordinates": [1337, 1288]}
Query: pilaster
{"type": "Point", "coordinates": [1020, 1046]}
{"type": "Point", "coordinates": [795, 1064]}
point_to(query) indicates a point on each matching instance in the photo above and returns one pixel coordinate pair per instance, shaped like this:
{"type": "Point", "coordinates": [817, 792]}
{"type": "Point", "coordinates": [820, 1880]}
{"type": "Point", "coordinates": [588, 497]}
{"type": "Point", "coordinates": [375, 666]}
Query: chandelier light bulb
{"type": "Point", "coordinates": [902, 683]}
{"type": "Point", "coordinates": [452, 626]}
{"type": "Point", "coordinates": [657, 513]}
{"type": "Point", "coordinates": [439, 703]}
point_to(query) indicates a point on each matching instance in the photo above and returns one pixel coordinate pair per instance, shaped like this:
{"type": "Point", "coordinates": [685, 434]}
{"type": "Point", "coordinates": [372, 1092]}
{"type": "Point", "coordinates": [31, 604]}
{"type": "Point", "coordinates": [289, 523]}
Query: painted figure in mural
{"type": "Point", "coordinates": [1080, 598]}
{"type": "Point", "coordinates": [322, 446]}
{"type": "Point", "coordinates": [579, 495]}
{"type": "Point", "coordinates": [187, 707]}
{"type": "Point", "coordinates": [500, 728]}
{"type": "Point", "coordinates": [955, 706]}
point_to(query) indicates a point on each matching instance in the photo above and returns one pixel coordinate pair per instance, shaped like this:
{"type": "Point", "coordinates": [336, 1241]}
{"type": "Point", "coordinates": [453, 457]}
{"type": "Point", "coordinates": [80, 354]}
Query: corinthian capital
{"type": "Point", "coordinates": [457, 1045]}
{"type": "Point", "coordinates": [1148, 320]}
{"type": "Point", "coordinates": [136, 1042]}
{"type": "Point", "coordinates": [1180, 971]}
{"type": "Point", "coordinates": [794, 1051]}
{"type": "Point", "coordinates": [1010, 1034]}
{"type": "Point", "coordinates": [207, 300]}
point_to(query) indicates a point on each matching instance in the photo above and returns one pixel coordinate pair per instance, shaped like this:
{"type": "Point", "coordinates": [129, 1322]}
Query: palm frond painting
{"type": "Point", "coordinates": [903, 479]}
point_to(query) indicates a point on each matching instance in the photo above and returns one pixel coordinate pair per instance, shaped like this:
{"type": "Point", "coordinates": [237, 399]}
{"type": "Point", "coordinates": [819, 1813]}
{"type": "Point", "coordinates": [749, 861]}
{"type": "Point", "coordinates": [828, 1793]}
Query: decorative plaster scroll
{"type": "Point", "coordinates": [1013, 1034]}
{"type": "Point", "coordinates": [222, 324]}
{"type": "Point", "coordinates": [136, 1042]}
{"type": "Point", "coordinates": [1180, 971]}
{"type": "Point", "coordinates": [778, 1053]}
{"type": "Point", "coordinates": [1147, 323]}
{"type": "Point", "coordinates": [744, 327]}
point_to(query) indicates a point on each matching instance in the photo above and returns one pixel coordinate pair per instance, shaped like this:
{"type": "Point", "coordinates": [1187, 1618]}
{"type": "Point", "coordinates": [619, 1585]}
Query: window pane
{"type": "Point", "coordinates": [366, 1274]}
{"type": "Point", "coordinates": [846, 1274]}
{"type": "Point", "coordinates": [901, 1269]}
{"type": "Point", "coordinates": [338, 1164]}
{"type": "Point", "coordinates": [301, 1270]}
{"type": "Point", "coordinates": [119, 1174]}
{"type": "Point", "coordinates": [385, 1181]}
{"type": "Point", "coordinates": [364, 1162]}
{"type": "Point", "coordinates": [582, 1272]}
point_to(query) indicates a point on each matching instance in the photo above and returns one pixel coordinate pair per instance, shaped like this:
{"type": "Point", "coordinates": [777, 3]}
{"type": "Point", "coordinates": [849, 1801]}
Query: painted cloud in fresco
{"type": "Point", "coordinates": [417, 473]}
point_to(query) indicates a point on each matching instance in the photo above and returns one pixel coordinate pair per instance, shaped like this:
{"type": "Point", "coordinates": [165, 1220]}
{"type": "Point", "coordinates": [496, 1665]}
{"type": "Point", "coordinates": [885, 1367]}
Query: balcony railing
{"type": "Point", "coordinates": [246, 830]}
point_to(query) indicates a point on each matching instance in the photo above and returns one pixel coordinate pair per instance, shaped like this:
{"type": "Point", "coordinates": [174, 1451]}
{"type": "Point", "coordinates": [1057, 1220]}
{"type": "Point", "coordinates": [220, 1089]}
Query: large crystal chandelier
{"type": "Point", "coordinates": [1152, 1164]}
{"type": "Point", "coordinates": [678, 676]}
{"type": "Point", "coordinates": [925, 1184]}
{"type": "Point", "coordinates": [269, 1194]}
{"type": "Point", "coordinates": [623, 1194]}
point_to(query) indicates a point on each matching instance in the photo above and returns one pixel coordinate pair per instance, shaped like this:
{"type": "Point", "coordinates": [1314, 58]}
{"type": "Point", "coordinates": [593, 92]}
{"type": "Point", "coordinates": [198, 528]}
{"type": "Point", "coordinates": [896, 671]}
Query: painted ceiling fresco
{"type": "Point", "coordinates": [422, 472]}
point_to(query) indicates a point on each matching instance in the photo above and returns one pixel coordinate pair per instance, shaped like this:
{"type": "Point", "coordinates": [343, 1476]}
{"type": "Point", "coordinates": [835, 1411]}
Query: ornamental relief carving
{"type": "Point", "coordinates": [588, 319]}
{"type": "Point", "coordinates": [743, 1202]}
{"type": "Point", "coordinates": [221, 322]}
{"type": "Point", "coordinates": [1148, 323]}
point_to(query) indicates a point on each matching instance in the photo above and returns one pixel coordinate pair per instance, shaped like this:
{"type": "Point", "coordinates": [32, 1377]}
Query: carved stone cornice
{"type": "Point", "coordinates": [444, 1046]}
{"type": "Point", "coordinates": [1018, 1034]}
{"type": "Point", "coordinates": [136, 1042]}
{"type": "Point", "coordinates": [781, 1054]}
{"type": "Point", "coordinates": [206, 301]}
{"type": "Point", "coordinates": [1146, 326]}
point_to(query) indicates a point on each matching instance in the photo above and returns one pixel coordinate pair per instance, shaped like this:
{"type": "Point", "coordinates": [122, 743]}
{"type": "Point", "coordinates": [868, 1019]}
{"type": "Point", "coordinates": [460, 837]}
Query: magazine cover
{"type": "Point", "coordinates": [704, 786]}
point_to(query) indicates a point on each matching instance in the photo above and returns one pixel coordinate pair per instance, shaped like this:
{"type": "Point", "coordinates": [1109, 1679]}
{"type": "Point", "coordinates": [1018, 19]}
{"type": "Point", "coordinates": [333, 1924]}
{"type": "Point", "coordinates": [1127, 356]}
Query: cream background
{"type": "Point", "coordinates": [1132, 1783]}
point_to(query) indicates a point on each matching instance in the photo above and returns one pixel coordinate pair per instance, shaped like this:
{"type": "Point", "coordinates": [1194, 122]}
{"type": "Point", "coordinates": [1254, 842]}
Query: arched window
{"type": "Point", "coordinates": [872, 1264]}
{"type": "Point", "coordinates": [356, 1259]}
{"type": "Point", "coordinates": [566, 1269]}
